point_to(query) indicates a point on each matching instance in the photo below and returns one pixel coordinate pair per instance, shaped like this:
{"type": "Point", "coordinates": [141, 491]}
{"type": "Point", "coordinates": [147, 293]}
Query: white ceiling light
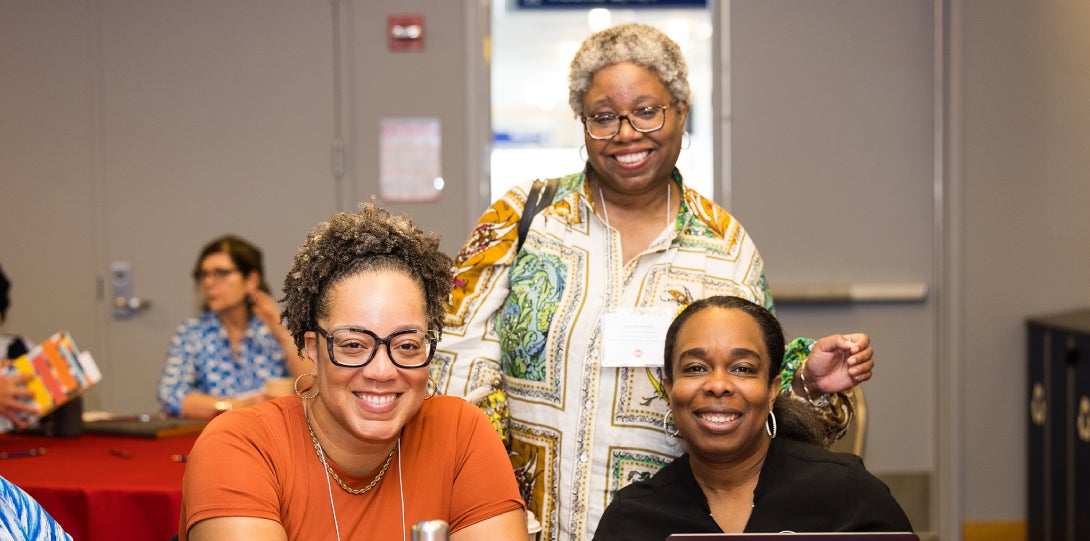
{"type": "Point", "coordinates": [599, 19]}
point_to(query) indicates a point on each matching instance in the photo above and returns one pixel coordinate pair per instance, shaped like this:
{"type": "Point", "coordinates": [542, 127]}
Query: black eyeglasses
{"type": "Point", "coordinates": [218, 274]}
{"type": "Point", "coordinates": [644, 120]}
{"type": "Point", "coordinates": [354, 348]}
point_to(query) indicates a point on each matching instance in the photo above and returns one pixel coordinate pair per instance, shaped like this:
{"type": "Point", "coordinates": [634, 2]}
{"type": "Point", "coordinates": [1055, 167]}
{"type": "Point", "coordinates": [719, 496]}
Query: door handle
{"type": "Point", "coordinates": [1082, 422]}
{"type": "Point", "coordinates": [1038, 407]}
{"type": "Point", "coordinates": [125, 305]}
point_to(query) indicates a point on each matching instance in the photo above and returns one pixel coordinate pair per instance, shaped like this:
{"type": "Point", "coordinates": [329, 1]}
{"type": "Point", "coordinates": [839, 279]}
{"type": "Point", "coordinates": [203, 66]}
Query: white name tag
{"type": "Point", "coordinates": [634, 338]}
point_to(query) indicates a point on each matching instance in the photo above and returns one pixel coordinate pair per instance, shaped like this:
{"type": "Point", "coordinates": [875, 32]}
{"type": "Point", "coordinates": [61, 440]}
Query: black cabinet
{"type": "Point", "coordinates": [1058, 456]}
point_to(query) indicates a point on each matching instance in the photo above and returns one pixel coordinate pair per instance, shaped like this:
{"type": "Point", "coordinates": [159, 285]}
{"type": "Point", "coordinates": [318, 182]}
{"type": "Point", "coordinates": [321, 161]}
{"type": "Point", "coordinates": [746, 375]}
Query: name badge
{"type": "Point", "coordinates": [632, 338]}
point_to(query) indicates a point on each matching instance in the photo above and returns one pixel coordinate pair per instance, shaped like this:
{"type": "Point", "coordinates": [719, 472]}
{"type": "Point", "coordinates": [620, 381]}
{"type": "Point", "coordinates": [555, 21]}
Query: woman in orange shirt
{"type": "Point", "coordinates": [364, 450]}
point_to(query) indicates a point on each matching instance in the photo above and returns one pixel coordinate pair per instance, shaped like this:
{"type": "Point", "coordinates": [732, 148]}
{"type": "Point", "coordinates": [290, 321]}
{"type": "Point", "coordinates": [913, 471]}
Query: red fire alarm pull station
{"type": "Point", "coordinates": [405, 32]}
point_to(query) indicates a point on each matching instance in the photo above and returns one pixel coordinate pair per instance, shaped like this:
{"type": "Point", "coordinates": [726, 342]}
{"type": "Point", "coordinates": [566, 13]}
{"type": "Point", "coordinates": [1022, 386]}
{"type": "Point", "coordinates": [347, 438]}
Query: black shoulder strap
{"type": "Point", "coordinates": [540, 196]}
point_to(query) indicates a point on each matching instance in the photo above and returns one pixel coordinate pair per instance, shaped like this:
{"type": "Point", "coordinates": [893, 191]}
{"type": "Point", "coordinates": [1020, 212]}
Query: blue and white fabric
{"type": "Point", "coordinates": [23, 519]}
{"type": "Point", "coordinates": [200, 359]}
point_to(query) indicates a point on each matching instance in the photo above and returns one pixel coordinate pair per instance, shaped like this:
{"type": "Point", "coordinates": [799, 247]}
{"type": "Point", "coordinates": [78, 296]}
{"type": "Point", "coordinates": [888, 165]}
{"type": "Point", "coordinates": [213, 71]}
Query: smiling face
{"type": "Point", "coordinates": [719, 388]}
{"type": "Point", "coordinates": [370, 404]}
{"type": "Point", "coordinates": [632, 162]}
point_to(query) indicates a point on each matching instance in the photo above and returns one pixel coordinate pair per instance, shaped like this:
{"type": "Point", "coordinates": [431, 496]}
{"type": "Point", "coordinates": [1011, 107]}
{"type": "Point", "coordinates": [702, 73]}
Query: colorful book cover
{"type": "Point", "coordinates": [61, 372]}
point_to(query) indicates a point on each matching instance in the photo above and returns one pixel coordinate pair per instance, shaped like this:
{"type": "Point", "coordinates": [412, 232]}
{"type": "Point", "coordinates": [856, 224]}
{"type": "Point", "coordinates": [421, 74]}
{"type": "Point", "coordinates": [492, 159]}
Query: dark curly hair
{"type": "Point", "coordinates": [348, 244]}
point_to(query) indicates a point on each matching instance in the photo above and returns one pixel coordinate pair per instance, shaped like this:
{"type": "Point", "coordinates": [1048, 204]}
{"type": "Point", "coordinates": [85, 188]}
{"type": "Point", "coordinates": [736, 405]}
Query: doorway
{"type": "Point", "coordinates": [534, 134]}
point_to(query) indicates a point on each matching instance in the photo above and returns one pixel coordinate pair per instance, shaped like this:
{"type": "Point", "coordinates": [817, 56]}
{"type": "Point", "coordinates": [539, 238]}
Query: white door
{"type": "Point", "coordinates": [180, 122]}
{"type": "Point", "coordinates": [48, 211]}
{"type": "Point", "coordinates": [535, 134]}
{"type": "Point", "coordinates": [220, 120]}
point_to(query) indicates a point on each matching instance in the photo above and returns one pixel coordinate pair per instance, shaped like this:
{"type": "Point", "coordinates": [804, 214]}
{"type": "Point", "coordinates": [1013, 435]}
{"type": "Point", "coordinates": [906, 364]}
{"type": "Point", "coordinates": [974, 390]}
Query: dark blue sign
{"type": "Point", "coordinates": [619, 4]}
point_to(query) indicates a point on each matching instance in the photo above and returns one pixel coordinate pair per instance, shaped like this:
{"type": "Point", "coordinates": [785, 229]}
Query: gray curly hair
{"type": "Point", "coordinates": [631, 42]}
{"type": "Point", "coordinates": [348, 244]}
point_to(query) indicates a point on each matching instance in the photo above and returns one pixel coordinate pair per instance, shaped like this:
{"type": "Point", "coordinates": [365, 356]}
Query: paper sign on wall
{"type": "Point", "coordinates": [409, 157]}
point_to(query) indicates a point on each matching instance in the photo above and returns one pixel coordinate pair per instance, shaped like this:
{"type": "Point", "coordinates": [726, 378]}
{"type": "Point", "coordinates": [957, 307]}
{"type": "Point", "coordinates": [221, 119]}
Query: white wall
{"type": "Point", "coordinates": [832, 174]}
{"type": "Point", "coordinates": [1018, 153]}
{"type": "Point", "coordinates": [1025, 171]}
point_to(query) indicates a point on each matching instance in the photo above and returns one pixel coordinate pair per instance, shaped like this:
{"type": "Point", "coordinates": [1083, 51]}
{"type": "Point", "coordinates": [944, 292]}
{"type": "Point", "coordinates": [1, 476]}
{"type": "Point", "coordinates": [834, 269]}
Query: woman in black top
{"type": "Point", "coordinates": [751, 466]}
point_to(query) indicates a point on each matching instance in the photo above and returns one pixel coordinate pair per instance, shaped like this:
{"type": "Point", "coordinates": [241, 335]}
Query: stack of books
{"type": "Point", "coordinates": [61, 372]}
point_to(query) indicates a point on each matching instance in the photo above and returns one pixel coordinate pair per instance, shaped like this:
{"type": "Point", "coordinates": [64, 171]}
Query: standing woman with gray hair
{"type": "Point", "coordinates": [561, 323]}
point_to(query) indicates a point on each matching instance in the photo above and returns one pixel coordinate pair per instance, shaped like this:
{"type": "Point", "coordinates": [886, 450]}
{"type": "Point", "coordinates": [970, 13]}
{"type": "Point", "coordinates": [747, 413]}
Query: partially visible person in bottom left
{"type": "Point", "coordinates": [23, 519]}
{"type": "Point", "coordinates": [15, 397]}
{"type": "Point", "coordinates": [365, 450]}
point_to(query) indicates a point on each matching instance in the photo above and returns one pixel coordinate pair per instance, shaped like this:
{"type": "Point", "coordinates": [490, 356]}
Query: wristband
{"type": "Point", "coordinates": [820, 402]}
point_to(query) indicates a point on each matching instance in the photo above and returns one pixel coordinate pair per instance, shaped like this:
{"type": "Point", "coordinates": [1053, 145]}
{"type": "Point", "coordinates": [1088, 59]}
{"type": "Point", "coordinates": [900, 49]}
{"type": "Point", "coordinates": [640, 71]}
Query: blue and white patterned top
{"type": "Point", "coordinates": [200, 360]}
{"type": "Point", "coordinates": [22, 518]}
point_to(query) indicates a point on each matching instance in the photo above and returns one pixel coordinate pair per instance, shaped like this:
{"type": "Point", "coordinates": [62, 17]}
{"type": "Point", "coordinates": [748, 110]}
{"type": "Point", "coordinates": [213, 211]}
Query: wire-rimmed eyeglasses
{"type": "Point", "coordinates": [354, 348]}
{"type": "Point", "coordinates": [644, 120]}
{"type": "Point", "coordinates": [217, 274]}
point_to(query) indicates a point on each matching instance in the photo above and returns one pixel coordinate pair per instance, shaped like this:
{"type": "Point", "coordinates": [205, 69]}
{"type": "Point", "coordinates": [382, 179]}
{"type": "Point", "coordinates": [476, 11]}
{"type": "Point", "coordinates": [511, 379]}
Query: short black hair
{"type": "Point", "coordinates": [5, 287]}
{"type": "Point", "coordinates": [796, 420]}
{"type": "Point", "coordinates": [771, 330]}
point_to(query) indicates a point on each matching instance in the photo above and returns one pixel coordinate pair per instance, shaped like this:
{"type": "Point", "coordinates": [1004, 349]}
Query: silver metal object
{"type": "Point", "coordinates": [125, 304]}
{"type": "Point", "coordinates": [431, 530]}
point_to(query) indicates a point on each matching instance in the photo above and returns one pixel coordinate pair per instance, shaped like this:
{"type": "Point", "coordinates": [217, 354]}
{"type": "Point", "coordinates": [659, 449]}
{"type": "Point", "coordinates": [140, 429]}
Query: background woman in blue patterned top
{"type": "Point", "coordinates": [221, 360]}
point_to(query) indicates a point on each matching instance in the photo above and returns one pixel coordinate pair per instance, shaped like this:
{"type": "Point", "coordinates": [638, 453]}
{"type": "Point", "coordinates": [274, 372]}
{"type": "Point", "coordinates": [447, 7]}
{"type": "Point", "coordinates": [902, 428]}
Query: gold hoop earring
{"type": "Point", "coordinates": [583, 149]}
{"type": "Point", "coordinates": [431, 389]}
{"type": "Point", "coordinates": [295, 387]}
{"type": "Point", "coordinates": [665, 425]}
{"type": "Point", "coordinates": [686, 140]}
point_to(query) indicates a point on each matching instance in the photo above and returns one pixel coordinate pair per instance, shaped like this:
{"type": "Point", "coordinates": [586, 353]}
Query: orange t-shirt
{"type": "Point", "coordinates": [260, 462]}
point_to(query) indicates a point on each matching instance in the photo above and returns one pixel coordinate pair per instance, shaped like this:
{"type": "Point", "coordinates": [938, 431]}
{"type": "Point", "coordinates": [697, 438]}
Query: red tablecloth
{"type": "Point", "coordinates": [97, 495]}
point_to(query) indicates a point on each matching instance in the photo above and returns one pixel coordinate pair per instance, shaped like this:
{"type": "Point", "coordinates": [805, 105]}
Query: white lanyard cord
{"type": "Point", "coordinates": [400, 485]}
{"type": "Point", "coordinates": [328, 484]}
